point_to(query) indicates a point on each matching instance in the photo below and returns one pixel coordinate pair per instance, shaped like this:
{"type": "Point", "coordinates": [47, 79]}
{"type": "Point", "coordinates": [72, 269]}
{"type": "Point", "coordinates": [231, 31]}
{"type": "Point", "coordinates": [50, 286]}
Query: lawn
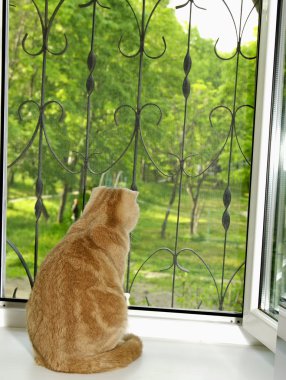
{"type": "Point", "coordinates": [203, 257]}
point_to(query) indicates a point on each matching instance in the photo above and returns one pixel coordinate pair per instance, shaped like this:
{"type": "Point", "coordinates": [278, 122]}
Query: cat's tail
{"type": "Point", "coordinates": [122, 355]}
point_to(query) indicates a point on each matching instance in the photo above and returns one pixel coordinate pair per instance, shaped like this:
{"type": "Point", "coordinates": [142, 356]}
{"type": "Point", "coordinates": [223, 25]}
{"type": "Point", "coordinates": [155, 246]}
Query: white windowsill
{"type": "Point", "coordinates": [188, 328]}
{"type": "Point", "coordinates": [161, 359]}
{"type": "Point", "coordinates": [159, 325]}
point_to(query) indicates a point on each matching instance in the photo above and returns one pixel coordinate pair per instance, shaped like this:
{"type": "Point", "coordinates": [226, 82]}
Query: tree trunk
{"type": "Point", "coordinates": [81, 184]}
{"type": "Point", "coordinates": [194, 191]}
{"type": "Point", "coordinates": [101, 181]}
{"type": "Point", "coordinates": [46, 215]}
{"type": "Point", "coordinates": [63, 203]}
{"type": "Point", "coordinates": [195, 214]}
{"type": "Point", "coordinates": [11, 177]}
{"type": "Point", "coordinates": [10, 180]}
{"type": "Point", "coordinates": [119, 174]}
{"type": "Point", "coordinates": [171, 201]}
{"type": "Point", "coordinates": [143, 170]}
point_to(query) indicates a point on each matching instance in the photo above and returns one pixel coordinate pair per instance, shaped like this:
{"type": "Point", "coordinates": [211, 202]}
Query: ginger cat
{"type": "Point", "coordinates": [77, 313]}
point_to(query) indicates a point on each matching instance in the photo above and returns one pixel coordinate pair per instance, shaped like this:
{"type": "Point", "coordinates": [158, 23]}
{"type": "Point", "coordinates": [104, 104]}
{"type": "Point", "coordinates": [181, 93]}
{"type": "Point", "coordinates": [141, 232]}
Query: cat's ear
{"type": "Point", "coordinates": [94, 194]}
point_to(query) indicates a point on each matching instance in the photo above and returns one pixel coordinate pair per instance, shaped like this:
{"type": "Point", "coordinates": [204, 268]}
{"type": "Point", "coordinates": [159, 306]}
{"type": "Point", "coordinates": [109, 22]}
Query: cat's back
{"type": "Point", "coordinates": [75, 291]}
{"type": "Point", "coordinates": [76, 263]}
{"type": "Point", "coordinates": [76, 272]}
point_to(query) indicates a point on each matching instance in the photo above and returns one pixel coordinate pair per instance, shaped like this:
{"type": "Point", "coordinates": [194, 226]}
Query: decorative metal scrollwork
{"type": "Point", "coordinates": [238, 32]}
{"type": "Point", "coordinates": [221, 289]}
{"type": "Point", "coordinates": [181, 171]}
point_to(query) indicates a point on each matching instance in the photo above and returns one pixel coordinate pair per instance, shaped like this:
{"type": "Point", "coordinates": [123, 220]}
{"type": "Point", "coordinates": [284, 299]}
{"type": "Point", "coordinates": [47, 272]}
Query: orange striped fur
{"type": "Point", "coordinates": [77, 313]}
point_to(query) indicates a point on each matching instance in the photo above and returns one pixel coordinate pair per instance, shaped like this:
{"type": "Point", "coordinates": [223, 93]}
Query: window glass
{"type": "Point", "coordinates": [158, 96]}
{"type": "Point", "coordinates": [274, 265]}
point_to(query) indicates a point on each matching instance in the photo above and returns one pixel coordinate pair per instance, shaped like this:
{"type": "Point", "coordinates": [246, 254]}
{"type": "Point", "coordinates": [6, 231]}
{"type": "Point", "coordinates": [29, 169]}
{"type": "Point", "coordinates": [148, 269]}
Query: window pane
{"type": "Point", "coordinates": [274, 270]}
{"type": "Point", "coordinates": [183, 103]}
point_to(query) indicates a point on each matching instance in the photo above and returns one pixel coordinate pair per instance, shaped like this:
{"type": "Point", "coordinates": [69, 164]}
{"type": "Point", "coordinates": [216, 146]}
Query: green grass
{"type": "Point", "coordinates": [152, 285]}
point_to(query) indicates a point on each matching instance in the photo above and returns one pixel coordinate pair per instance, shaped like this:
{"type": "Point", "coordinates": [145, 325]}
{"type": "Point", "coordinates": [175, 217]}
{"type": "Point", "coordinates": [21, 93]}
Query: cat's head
{"type": "Point", "coordinates": [114, 207]}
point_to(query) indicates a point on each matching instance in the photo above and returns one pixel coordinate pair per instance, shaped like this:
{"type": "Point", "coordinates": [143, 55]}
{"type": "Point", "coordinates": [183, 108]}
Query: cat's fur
{"type": "Point", "coordinates": [77, 313]}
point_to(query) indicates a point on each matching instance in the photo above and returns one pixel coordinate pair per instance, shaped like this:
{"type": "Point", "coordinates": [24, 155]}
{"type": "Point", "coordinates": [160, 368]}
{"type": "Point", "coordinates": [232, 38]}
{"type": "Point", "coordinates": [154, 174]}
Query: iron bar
{"type": "Point", "coordinates": [186, 92]}
{"type": "Point", "coordinates": [91, 61]}
{"type": "Point", "coordinates": [142, 28]}
{"type": "Point", "coordinates": [137, 139]}
{"type": "Point", "coordinates": [23, 262]}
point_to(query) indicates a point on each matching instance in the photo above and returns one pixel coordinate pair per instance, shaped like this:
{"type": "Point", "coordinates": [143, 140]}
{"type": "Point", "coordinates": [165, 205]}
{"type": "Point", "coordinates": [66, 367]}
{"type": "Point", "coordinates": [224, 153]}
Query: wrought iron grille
{"type": "Point", "coordinates": [163, 111]}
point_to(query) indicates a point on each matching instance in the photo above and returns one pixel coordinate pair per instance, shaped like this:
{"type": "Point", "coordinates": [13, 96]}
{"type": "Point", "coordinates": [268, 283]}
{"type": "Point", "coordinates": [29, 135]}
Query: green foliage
{"type": "Point", "coordinates": [208, 139]}
{"type": "Point", "coordinates": [191, 288]}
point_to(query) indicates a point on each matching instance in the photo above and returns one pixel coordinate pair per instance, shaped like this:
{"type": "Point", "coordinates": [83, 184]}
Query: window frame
{"type": "Point", "coordinates": [273, 204]}
{"type": "Point", "coordinates": [257, 323]}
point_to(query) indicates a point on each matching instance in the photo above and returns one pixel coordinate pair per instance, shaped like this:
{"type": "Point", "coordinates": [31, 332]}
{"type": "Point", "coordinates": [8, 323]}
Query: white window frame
{"type": "Point", "coordinates": [203, 328]}
{"type": "Point", "coordinates": [255, 321]}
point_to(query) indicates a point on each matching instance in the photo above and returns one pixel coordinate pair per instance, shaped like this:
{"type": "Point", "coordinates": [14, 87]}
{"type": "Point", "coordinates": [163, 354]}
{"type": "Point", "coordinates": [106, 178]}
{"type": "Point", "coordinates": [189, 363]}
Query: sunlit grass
{"type": "Point", "coordinates": [152, 285]}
